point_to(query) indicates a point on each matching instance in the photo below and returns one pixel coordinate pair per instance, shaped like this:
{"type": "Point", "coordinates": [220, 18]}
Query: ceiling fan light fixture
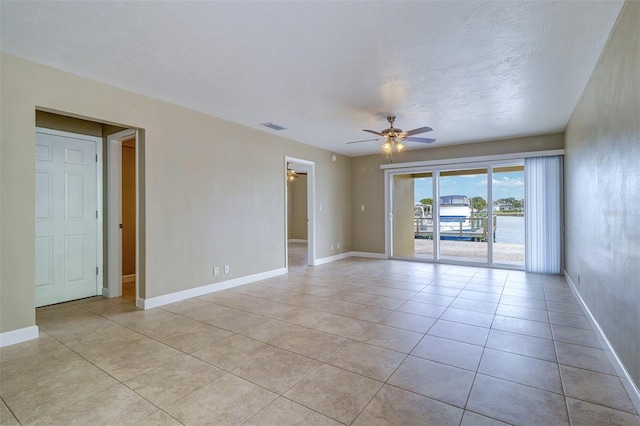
{"type": "Point", "coordinates": [291, 175]}
{"type": "Point", "coordinates": [393, 137]}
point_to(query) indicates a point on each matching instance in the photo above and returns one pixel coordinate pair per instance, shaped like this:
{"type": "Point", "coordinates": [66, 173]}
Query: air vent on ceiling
{"type": "Point", "coordinates": [274, 126]}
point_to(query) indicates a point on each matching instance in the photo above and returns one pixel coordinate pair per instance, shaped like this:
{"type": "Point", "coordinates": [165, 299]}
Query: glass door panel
{"type": "Point", "coordinates": [508, 208]}
{"type": "Point", "coordinates": [465, 225]}
{"type": "Point", "coordinates": [402, 216]}
{"type": "Point", "coordinates": [423, 215]}
{"type": "Point", "coordinates": [412, 221]}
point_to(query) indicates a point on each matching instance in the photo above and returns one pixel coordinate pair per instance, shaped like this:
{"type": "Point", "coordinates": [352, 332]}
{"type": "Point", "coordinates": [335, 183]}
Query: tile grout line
{"type": "Point", "coordinates": [160, 342]}
{"type": "Point", "coordinates": [562, 384]}
{"type": "Point", "coordinates": [484, 348]}
{"type": "Point", "coordinates": [119, 382]}
{"type": "Point", "coordinates": [10, 410]}
{"type": "Point", "coordinates": [354, 339]}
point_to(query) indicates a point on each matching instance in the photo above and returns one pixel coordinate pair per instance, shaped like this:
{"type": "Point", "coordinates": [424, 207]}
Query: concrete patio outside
{"type": "Point", "coordinates": [504, 253]}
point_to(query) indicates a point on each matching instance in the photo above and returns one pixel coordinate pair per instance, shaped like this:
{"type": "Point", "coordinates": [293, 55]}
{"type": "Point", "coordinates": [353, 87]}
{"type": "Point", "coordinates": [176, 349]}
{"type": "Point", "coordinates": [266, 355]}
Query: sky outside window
{"type": "Point", "coordinates": [505, 185]}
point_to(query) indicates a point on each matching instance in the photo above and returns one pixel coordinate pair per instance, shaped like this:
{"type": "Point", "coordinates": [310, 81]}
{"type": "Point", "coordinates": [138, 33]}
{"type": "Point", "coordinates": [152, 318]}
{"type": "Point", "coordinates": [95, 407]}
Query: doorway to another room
{"type": "Point", "coordinates": [123, 214]}
{"type": "Point", "coordinates": [86, 172]}
{"type": "Point", "coordinates": [300, 218]}
{"type": "Point", "coordinates": [128, 188]}
{"type": "Point", "coordinates": [68, 228]}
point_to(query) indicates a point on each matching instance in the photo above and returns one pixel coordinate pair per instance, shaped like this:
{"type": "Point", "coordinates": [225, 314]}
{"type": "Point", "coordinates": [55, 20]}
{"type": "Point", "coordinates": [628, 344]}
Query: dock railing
{"type": "Point", "coordinates": [474, 228]}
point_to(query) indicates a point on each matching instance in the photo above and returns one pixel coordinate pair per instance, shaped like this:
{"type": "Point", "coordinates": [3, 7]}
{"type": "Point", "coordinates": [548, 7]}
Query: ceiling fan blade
{"type": "Point", "coordinates": [365, 140]}
{"type": "Point", "coordinates": [372, 131]}
{"type": "Point", "coordinates": [417, 131]}
{"type": "Point", "coordinates": [421, 140]}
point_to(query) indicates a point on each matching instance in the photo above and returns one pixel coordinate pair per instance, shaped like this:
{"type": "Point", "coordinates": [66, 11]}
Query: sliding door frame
{"type": "Point", "coordinates": [435, 168]}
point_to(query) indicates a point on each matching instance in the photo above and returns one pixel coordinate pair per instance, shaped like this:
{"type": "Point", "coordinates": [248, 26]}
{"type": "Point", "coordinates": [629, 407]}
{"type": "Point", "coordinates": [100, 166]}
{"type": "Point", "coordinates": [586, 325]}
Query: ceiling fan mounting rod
{"type": "Point", "coordinates": [391, 132]}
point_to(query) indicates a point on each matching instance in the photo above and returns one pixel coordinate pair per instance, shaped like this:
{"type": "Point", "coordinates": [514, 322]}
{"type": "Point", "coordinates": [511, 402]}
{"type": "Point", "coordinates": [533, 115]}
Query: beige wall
{"type": "Point", "coordinates": [192, 186]}
{"type": "Point", "coordinates": [602, 188]}
{"type": "Point", "coordinates": [368, 180]}
{"type": "Point", "coordinates": [128, 208]}
{"type": "Point", "coordinates": [298, 208]}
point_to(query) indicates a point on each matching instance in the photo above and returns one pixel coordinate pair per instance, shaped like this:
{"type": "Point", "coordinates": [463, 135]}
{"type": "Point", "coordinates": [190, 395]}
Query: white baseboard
{"type": "Point", "coordinates": [18, 336]}
{"type": "Point", "coordinates": [128, 278]}
{"type": "Point", "coordinates": [297, 240]}
{"type": "Point", "coordinates": [330, 259]}
{"type": "Point", "coordinates": [165, 299]}
{"type": "Point", "coordinates": [368, 254]}
{"type": "Point", "coordinates": [625, 378]}
{"type": "Point", "coordinates": [345, 255]}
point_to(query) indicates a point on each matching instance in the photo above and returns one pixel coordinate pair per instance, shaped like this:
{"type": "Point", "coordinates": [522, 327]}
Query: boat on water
{"type": "Point", "coordinates": [456, 221]}
{"type": "Point", "coordinates": [455, 215]}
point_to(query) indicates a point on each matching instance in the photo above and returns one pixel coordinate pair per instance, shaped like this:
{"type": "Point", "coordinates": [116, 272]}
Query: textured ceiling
{"type": "Point", "coordinates": [471, 70]}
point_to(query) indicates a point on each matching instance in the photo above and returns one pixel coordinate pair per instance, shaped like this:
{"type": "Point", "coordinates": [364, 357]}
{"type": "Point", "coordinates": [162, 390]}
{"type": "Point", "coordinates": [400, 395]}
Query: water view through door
{"type": "Point", "coordinates": [470, 215]}
{"type": "Point", "coordinates": [508, 207]}
{"type": "Point", "coordinates": [466, 224]}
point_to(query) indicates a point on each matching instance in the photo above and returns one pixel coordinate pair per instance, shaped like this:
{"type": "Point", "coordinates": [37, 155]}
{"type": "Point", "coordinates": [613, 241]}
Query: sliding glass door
{"type": "Point", "coordinates": [423, 215]}
{"type": "Point", "coordinates": [465, 226]}
{"type": "Point", "coordinates": [412, 221]}
{"type": "Point", "coordinates": [464, 214]}
{"type": "Point", "coordinates": [508, 209]}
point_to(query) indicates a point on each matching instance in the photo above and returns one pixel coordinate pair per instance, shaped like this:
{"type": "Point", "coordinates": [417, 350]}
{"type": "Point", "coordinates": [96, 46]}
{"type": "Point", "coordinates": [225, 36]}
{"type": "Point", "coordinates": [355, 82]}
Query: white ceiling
{"type": "Point", "coordinates": [471, 70]}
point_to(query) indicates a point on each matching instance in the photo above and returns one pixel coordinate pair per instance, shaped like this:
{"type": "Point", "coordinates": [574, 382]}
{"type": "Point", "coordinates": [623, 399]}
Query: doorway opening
{"type": "Point", "coordinates": [123, 227]}
{"type": "Point", "coordinates": [128, 215]}
{"type": "Point", "coordinates": [88, 179]}
{"type": "Point", "coordinates": [299, 212]}
{"type": "Point", "coordinates": [68, 225]}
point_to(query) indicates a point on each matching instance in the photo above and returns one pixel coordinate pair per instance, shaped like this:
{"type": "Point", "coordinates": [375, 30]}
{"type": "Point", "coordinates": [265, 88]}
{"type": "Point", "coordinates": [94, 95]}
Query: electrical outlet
{"type": "Point", "coordinates": [331, 246]}
{"type": "Point", "coordinates": [226, 269]}
{"type": "Point", "coordinates": [338, 246]}
{"type": "Point", "coordinates": [216, 270]}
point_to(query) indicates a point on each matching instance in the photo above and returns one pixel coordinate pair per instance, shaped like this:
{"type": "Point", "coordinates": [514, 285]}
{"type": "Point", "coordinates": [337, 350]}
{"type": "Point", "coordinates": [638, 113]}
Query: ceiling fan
{"type": "Point", "coordinates": [393, 137]}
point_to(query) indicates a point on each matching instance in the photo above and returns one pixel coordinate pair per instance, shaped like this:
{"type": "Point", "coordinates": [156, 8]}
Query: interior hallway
{"type": "Point", "coordinates": [356, 341]}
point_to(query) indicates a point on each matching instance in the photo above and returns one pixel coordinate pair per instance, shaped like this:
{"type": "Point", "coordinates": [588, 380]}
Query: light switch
{"type": "Point", "coordinates": [362, 208]}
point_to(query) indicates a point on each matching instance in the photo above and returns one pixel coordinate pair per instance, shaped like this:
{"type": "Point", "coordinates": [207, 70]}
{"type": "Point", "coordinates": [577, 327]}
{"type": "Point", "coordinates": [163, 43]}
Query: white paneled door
{"type": "Point", "coordinates": [66, 217]}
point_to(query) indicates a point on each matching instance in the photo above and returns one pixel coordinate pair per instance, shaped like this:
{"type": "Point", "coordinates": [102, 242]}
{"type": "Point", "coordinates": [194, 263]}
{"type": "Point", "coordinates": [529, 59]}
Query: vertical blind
{"type": "Point", "coordinates": [543, 214]}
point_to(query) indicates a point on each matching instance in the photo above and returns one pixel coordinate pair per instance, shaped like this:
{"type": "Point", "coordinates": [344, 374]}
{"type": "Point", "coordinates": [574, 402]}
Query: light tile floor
{"type": "Point", "coordinates": [356, 341]}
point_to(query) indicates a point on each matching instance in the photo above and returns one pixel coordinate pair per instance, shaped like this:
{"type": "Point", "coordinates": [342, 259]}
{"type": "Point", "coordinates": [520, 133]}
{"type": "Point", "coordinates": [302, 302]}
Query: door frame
{"type": "Point", "coordinates": [114, 167]}
{"type": "Point", "coordinates": [99, 205]}
{"type": "Point", "coordinates": [311, 210]}
{"type": "Point", "coordinates": [436, 168]}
